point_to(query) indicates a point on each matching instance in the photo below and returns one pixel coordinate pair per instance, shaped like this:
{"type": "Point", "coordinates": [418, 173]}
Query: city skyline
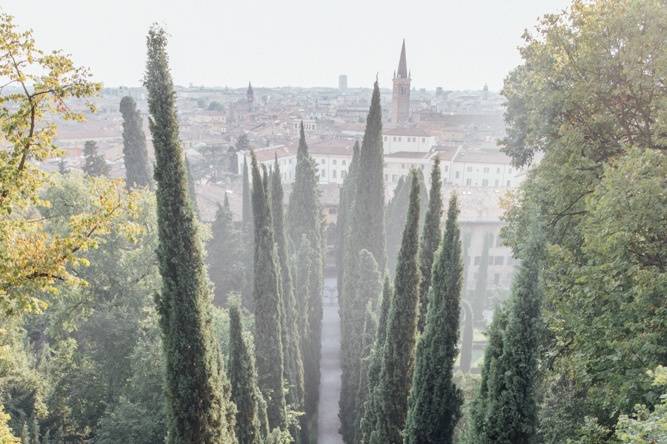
{"type": "Point", "coordinates": [457, 46]}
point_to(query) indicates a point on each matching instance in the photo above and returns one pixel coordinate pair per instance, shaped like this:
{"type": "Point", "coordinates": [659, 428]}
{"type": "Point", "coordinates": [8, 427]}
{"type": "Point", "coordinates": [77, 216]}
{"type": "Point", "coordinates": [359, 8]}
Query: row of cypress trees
{"type": "Point", "coordinates": [254, 405]}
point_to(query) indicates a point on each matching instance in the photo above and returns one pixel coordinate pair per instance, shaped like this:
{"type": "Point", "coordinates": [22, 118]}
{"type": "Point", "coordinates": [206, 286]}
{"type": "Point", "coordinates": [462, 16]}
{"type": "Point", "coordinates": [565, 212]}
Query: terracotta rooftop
{"type": "Point", "coordinates": [270, 153]}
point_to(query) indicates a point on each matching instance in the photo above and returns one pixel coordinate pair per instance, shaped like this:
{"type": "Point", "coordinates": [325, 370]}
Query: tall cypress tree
{"type": "Point", "coordinates": [225, 264]}
{"type": "Point", "coordinates": [435, 401]}
{"type": "Point", "coordinates": [94, 163]}
{"type": "Point", "coordinates": [248, 240]}
{"type": "Point", "coordinates": [367, 343]}
{"type": "Point", "coordinates": [304, 219]}
{"type": "Point", "coordinates": [198, 405]}
{"type": "Point", "coordinates": [346, 199]}
{"type": "Point", "coordinates": [243, 380]}
{"type": "Point", "coordinates": [268, 305]}
{"type": "Point", "coordinates": [367, 290]}
{"type": "Point", "coordinates": [365, 232]}
{"type": "Point", "coordinates": [293, 360]}
{"type": "Point", "coordinates": [511, 407]}
{"type": "Point", "coordinates": [399, 348]}
{"type": "Point", "coordinates": [192, 191]}
{"type": "Point", "coordinates": [430, 240]}
{"type": "Point", "coordinates": [135, 155]}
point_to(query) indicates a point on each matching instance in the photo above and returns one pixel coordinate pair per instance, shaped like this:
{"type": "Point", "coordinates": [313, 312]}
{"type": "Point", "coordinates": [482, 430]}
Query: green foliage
{"type": "Point", "coordinates": [243, 380]}
{"type": "Point", "coordinates": [268, 305]}
{"type": "Point", "coordinates": [135, 155]}
{"type": "Point", "coordinates": [304, 229]}
{"type": "Point", "coordinates": [248, 240]}
{"type": "Point", "coordinates": [399, 347]}
{"type": "Point", "coordinates": [345, 203]}
{"type": "Point", "coordinates": [645, 425]}
{"type": "Point", "coordinates": [197, 392]}
{"type": "Point", "coordinates": [510, 377]}
{"type": "Point", "coordinates": [435, 400]}
{"type": "Point", "coordinates": [430, 240]}
{"type": "Point", "coordinates": [292, 358]}
{"type": "Point", "coordinates": [225, 255]}
{"type": "Point", "coordinates": [94, 163]}
{"type": "Point", "coordinates": [367, 290]}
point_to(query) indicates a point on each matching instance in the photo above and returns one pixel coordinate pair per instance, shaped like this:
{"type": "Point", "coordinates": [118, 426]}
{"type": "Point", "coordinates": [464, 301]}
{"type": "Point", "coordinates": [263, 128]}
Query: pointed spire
{"type": "Point", "coordinates": [402, 64]}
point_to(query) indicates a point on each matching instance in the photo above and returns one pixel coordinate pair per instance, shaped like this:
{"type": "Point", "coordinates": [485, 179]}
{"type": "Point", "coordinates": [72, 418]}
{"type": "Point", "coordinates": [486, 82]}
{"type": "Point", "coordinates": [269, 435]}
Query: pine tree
{"type": "Point", "coordinates": [399, 348]}
{"type": "Point", "coordinates": [367, 290]}
{"type": "Point", "coordinates": [198, 405]}
{"type": "Point", "coordinates": [292, 359]}
{"type": "Point", "coordinates": [135, 156]}
{"type": "Point", "coordinates": [268, 305]}
{"type": "Point", "coordinates": [510, 414]}
{"type": "Point", "coordinates": [248, 240]}
{"type": "Point", "coordinates": [94, 163]}
{"type": "Point", "coordinates": [430, 240]}
{"type": "Point", "coordinates": [304, 219]}
{"type": "Point", "coordinates": [435, 401]}
{"type": "Point", "coordinates": [243, 380]}
{"type": "Point", "coordinates": [365, 232]}
{"type": "Point", "coordinates": [225, 264]}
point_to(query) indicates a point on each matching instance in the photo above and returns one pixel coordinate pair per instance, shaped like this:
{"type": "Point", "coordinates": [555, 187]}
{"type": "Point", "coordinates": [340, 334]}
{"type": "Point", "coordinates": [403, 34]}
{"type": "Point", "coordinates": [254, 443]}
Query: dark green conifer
{"type": "Point", "coordinates": [94, 163]}
{"type": "Point", "coordinates": [135, 155]}
{"type": "Point", "coordinates": [367, 290]}
{"type": "Point", "coordinates": [243, 380]}
{"type": "Point", "coordinates": [435, 401]}
{"type": "Point", "coordinates": [198, 405]}
{"type": "Point", "coordinates": [192, 191]}
{"type": "Point", "coordinates": [345, 202]}
{"type": "Point", "coordinates": [292, 359]}
{"type": "Point", "coordinates": [268, 305]}
{"type": "Point", "coordinates": [399, 348]}
{"type": "Point", "coordinates": [304, 219]}
{"type": "Point", "coordinates": [511, 407]}
{"type": "Point", "coordinates": [367, 342]}
{"type": "Point", "coordinates": [371, 407]}
{"type": "Point", "coordinates": [225, 264]}
{"type": "Point", "coordinates": [430, 240]}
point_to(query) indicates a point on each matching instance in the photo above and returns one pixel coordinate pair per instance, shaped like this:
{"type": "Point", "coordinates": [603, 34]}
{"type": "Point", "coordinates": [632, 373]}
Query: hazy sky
{"type": "Point", "coordinates": [456, 44]}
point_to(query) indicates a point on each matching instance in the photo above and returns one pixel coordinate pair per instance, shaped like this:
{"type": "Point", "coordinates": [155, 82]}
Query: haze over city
{"type": "Point", "coordinates": [453, 44]}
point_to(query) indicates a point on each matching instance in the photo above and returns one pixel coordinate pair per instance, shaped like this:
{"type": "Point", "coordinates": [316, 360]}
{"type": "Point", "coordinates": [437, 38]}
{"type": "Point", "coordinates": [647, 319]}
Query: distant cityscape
{"type": "Point", "coordinates": [219, 127]}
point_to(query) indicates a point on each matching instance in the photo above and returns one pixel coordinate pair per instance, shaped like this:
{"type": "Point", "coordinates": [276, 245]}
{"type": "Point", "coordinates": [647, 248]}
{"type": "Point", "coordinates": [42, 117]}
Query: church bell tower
{"type": "Point", "coordinates": [400, 102]}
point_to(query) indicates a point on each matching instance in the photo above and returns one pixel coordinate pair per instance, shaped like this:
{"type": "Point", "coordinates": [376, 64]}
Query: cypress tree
{"type": "Point", "coordinates": [479, 408]}
{"type": "Point", "coordinates": [243, 380]}
{"type": "Point", "coordinates": [94, 163]}
{"type": "Point", "coordinates": [479, 301]}
{"type": "Point", "coordinates": [367, 342]}
{"type": "Point", "coordinates": [135, 154]}
{"type": "Point", "coordinates": [395, 216]}
{"type": "Point", "coordinates": [435, 401]}
{"type": "Point", "coordinates": [346, 199]}
{"type": "Point", "coordinates": [225, 266]}
{"type": "Point", "coordinates": [304, 219]}
{"type": "Point", "coordinates": [248, 240]}
{"type": "Point", "coordinates": [511, 405]}
{"type": "Point", "coordinates": [192, 193]}
{"type": "Point", "coordinates": [292, 360]}
{"type": "Point", "coordinates": [365, 232]}
{"type": "Point", "coordinates": [198, 405]}
{"type": "Point", "coordinates": [369, 401]}
{"type": "Point", "coordinates": [268, 305]}
{"type": "Point", "coordinates": [399, 348]}
{"type": "Point", "coordinates": [430, 240]}
{"type": "Point", "coordinates": [367, 289]}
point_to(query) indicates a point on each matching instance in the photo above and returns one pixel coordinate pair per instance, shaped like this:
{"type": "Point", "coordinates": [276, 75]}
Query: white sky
{"type": "Point", "coordinates": [456, 44]}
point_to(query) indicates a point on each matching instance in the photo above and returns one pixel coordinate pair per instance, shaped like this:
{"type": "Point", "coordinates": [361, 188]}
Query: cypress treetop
{"type": "Point", "coordinates": [135, 155]}
{"type": "Point", "coordinates": [94, 163]}
{"type": "Point", "coordinates": [435, 401]}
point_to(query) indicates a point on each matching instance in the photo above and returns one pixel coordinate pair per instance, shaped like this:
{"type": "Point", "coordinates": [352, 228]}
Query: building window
{"type": "Point", "coordinates": [497, 182]}
{"type": "Point", "coordinates": [384, 138]}
{"type": "Point", "coordinates": [393, 178]}
{"type": "Point", "coordinates": [343, 174]}
{"type": "Point", "coordinates": [344, 162]}
{"type": "Point", "coordinates": [500, 260]}
{"type": "Point", "coordinates": [468, 182]}
{"type": "Point", "coordinates": [333, 161]}
{"type": "Point", "coordinates": [478, 260]}
{"type": "Point", "coordinates": [423, 139]}
{"type": "Point", "coordinates": [323, 161]}
{"type": "Point", "coordinates": [496, 278]}
{"type": "Point", "coordinates": [498, 170]}
{"type": "Point", "coordinates": [403, 165]}
{"type": "Point", "coordinates": [446, 168]}
{"type": "Point", "coordinates": [324, 173]}
{"type": "Point", "coordinates": [485, 183]}
{"type": "Point", "coordinates": [333, 174]}
{"type": "Point", "coordinates": [508, 184]}
{"type": "Point", "coordinates": [469, 169]}
{"type": "Point", "coordinates": [332, 210]}
{"type": "Point", "coordinates": [457, 174]}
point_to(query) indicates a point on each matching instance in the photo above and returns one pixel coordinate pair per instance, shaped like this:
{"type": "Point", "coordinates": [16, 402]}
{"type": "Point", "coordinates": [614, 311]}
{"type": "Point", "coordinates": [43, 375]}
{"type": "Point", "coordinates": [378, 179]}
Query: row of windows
{"type": "Point", "coordinates": [334, 162]}
{"type": "Point", "coordinates": [487, 170]}
{"type": "Point", "coordinates": [400, 139]}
